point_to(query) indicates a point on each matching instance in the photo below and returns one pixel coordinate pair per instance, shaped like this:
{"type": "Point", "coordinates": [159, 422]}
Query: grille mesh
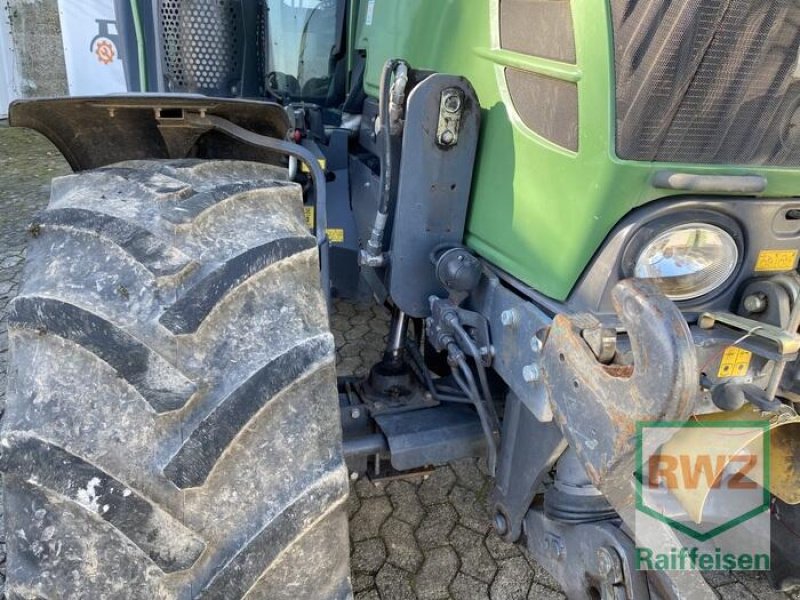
{"type": "Point", "coordinates": [708, 81]}
{"type": "Point", "coordinates": [202, 42]}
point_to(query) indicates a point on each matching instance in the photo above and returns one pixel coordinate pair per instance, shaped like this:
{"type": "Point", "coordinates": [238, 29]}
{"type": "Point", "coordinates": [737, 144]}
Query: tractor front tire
{"type": "Point", "coordinates": [172, 426]}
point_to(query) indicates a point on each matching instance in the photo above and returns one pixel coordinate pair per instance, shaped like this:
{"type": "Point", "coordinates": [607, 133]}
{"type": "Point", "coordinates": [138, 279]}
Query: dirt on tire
{"type": "Point", "coordinates": [172, 426]}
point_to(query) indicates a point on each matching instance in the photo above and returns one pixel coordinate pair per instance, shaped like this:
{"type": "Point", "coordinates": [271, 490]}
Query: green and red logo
{"type": "Point", "coordinates": [702, 495]}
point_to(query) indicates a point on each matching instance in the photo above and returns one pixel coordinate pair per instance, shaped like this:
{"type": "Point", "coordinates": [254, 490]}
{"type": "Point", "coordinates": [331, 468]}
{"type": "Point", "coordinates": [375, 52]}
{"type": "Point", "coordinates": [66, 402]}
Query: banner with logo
{"type": "Point", "coordinates": [92, 48]}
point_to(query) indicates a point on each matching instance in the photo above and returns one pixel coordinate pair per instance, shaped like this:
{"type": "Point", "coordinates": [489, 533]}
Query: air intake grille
{"type": "Point", "coordinates": [202, 42]}
{"type": "Point", "coordinates": [708, 81]}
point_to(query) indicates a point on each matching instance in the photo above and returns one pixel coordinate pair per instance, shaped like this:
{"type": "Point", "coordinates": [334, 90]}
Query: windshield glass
{"type": "Point", "coordinates": [301, 38]}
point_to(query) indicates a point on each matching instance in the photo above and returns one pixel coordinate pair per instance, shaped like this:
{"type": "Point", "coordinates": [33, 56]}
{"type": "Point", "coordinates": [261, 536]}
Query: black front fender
{"type": "Point", "coordinates": [92, 132]}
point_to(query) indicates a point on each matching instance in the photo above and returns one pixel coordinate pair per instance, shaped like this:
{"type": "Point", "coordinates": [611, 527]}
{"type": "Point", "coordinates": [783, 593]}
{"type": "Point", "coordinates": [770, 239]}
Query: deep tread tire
{"type": "Point", "coordinates": [172, 426]}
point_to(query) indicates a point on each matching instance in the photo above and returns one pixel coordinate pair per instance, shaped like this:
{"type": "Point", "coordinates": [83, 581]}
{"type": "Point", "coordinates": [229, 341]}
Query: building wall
{"type": "Point", "coordinates": [37, 51]}
{"type": "Point", "coordinates": [6, 83]}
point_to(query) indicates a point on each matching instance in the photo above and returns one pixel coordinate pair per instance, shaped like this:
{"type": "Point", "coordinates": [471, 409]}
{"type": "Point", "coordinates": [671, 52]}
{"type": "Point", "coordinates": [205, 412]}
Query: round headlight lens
{"type": "Point", "coordinates": [688, 261]}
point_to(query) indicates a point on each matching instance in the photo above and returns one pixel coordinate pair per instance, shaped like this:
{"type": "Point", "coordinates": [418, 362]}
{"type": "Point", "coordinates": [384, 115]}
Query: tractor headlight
{"type": "Point", "coordinates": [688, 261]}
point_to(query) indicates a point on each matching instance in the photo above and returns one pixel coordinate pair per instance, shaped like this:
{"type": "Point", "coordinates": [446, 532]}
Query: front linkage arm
{"type": "Point", "coordinates": [598, 406]}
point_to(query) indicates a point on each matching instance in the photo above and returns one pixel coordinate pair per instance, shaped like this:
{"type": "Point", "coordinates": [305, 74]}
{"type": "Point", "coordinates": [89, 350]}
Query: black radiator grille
{"type": "Point", "coordinates": [708, 81]}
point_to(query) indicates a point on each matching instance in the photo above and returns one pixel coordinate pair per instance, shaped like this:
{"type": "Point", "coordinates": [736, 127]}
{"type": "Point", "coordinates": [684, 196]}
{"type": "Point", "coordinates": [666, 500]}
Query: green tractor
{"type": "Point", "coordinates": [581, 214]}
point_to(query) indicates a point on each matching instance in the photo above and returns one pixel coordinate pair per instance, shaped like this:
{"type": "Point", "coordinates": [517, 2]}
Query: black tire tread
{"type": "Point", "coordinates": [172, 419]}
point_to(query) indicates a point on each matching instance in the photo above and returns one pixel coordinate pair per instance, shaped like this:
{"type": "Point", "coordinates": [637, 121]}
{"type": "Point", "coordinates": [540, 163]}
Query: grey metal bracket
{"type": "Point", "coordinates": [440, 141]}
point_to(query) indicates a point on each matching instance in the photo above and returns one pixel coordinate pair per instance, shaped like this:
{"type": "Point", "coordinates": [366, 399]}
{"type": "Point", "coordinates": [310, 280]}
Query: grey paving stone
{"type": "Point", "coordinates": [435, 528]}
{"type": "Point", "coordinates": [436, 487]}
{"type": "Point", "coordinates": [367, 489]}
{"type": "Point", "coordinates": [719, 578]}
{"type": "Point", "coordinates": [512, 581]}
{"type": "Point", "coordinates": [465, 587]}
{"type": "Point", "coordinates": [401, 546]}
{"type": "Point", "coordinates": [347, 309]}
{"type": "Point", "coordinates": [437, 572]}
{"type": "Point", "coordinates": [757, 584]}
{"type": "Point", "coordinates": [367, 521]}
{"type": "Point", "coordinates": [405, 502]}
{"type": "Point", "coordinates": [368, 556]}
{"type": "Point", "coordinates": [394, 584]}
{"type": "Point", "coordinates": [499, 549]}
{"type": "Point", "coordinates": [370, 595]}
{"type": "Point", "coordinates": [363, 583]}
{"type": "Point", "coordinates": [356, 333]}
{"type": "Point", "coordinates": [540, 592]}
{"type": "Point", "coordinates": [475, 558]}
{"type": "Point", "coordinates": [352, 366]}
{"type": "Point", "coordinates": [735, 591]}
{"type": "Point", "coordinates": [349, 351]}
{"type": "Point", "coordinates": [468, 474]}
{"type": "Point", "coordinates": [471, 510]}
{"type": "Point", "coordinates": [362, 318]}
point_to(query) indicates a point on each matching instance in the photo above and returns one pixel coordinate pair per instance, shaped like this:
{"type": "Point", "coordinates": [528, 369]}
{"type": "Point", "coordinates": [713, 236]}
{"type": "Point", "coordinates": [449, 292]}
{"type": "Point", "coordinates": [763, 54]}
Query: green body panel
{"type": "Point", "coordinates": [538, 211]}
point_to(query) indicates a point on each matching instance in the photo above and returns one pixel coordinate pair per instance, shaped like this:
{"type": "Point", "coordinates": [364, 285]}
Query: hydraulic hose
{"type": "Point", "coordinates": [466, 381]}
{"type": "Point", "coordinates": [473, 351]}
{"type": "Point", "coordinates": [373, 255]}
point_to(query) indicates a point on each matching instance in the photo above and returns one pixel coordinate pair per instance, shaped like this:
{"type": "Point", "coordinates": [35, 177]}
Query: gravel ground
{"type": "Point", "coordinates": [426, 537]}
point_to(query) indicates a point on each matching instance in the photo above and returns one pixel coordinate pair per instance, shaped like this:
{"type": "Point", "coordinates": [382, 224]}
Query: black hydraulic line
{"type": "Point", "coordinates": [469, 387]}
{"type": "Point", "coordinates": [386, 145]}
{"type": "Point", "coordinates": [467, 340]}
{"type": "Point", "coordinates": [317, 175]}
{"type": "Point", "coordinates": [374, 248]}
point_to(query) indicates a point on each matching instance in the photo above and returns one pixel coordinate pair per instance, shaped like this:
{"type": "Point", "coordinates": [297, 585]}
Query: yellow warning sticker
{"type": "Point", "coordinates": [735, 362]}
{"type": "Point", "coordinates": [336, 236]}
{"type": "Point", "coordinates": [776, 260]}
{"type": "Point", "coordinates": [322, 163]}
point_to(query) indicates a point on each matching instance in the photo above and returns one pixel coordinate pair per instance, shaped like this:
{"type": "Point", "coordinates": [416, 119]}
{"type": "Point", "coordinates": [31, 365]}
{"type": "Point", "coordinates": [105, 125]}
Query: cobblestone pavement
{"type": "Point", "coordinates": [427, 537]}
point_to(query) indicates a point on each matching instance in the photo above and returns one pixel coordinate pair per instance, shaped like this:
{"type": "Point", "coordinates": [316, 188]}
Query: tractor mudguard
{"type": "Point", "coordinates": [93, 132]}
